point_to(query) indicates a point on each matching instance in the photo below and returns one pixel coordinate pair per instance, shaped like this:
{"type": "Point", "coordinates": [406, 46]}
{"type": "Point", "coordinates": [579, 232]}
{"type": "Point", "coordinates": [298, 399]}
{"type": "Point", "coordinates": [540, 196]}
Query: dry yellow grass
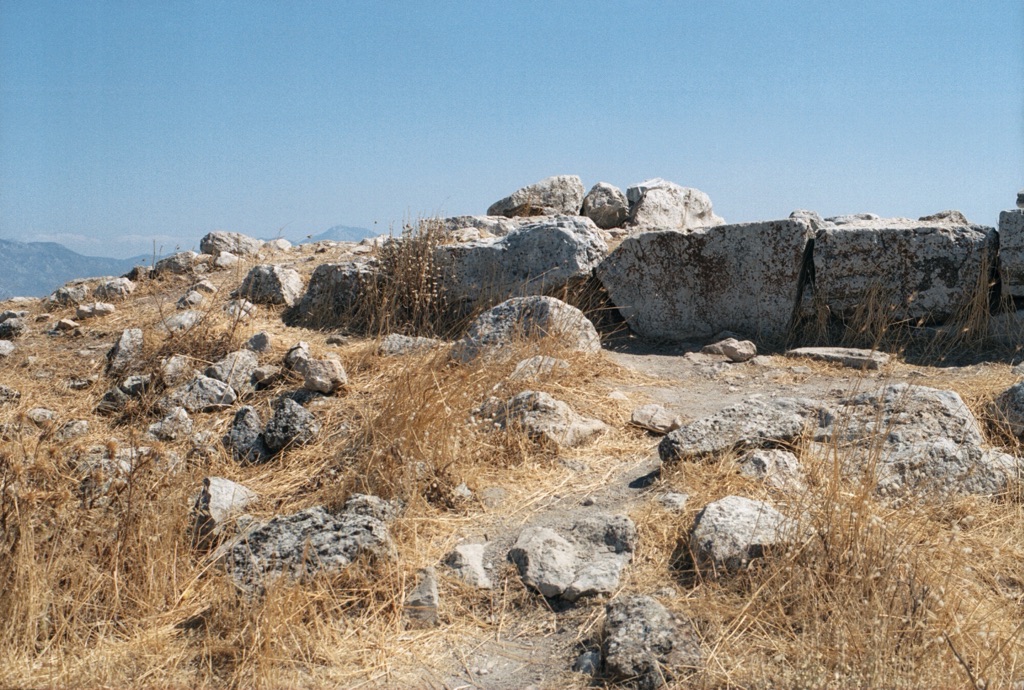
{"type": "Point", "coordinates": [873, 595]}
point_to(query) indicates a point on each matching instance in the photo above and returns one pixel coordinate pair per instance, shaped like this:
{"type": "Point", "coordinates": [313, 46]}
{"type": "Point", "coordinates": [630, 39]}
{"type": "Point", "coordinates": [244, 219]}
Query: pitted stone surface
{"type": "Point", "coordinates": [673, 285]}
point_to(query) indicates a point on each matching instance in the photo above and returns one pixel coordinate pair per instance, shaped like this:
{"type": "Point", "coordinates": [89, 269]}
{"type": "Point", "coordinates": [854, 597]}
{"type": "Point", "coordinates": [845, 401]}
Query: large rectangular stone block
{"type": "Point", "coordinates": [1011, 252]}
{"type": "Point", "coordinates": [683, 285]}
{"type": "Point", "coordinates": [910, 270]}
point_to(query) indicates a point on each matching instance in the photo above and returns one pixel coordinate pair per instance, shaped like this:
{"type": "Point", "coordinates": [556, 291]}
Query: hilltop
{"type": "Point", "coordinates": [596, 439]}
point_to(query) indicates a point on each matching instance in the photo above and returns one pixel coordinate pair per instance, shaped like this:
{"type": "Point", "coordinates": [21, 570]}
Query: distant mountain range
{"type": "Point", "coordinates": [340, 233]}
{"type": "Point", "coordinates": [35, 269]}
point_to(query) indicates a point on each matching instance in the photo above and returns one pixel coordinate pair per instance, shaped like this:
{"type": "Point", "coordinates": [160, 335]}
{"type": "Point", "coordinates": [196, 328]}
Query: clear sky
{"type": "Point", "coordinates": [128, 122]}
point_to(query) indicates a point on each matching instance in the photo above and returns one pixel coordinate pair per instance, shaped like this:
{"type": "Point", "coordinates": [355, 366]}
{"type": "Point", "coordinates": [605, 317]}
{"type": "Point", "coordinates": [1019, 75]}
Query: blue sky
{"type": "Point", "coordinates": [133, 122]}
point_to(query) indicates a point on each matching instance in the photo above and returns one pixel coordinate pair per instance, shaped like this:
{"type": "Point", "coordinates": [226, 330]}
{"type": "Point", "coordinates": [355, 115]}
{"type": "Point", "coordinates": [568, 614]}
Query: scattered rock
{"type": "Point", "coordinates": [218, 501]}
{"type": "Point", "coordinates": [245, 437]}
{"type": "Point", "coordinates": [182, 321]}
{"type": "Point", "coordinates": [235, 369]}
{"type": "Point", "coordinates": [665, 205]}
{"type": "Point", "coordinates": [733, 531]}
{"type": "Point", "coordinates": [202, 394]}
{"type": "Point", "coordinates": [69, 431]}
{"type": "Point", "coordinates": [226, 260]}
{"type": "Point", "coordinates": [280, 244]}
{"type": "Point", "coordinates": [176, 369]}
{"type": "Point", "coordinates": [12, 328]}
{"type": "Point", "coordinates": [655, 418]}
{"type": "Point", "coordinates": [587, 559]}
{"type": "Point", "coordinates": [173, 426]}
{"type": "Point", "coordinates": [265, 376]}
{"type": "Point", "coordinates": [192, 298]}
{"type": "Point", "coordinates": [776, 468]}
{"type": "Point", "coordinates": [844, 356]}
{"type": "Point", "coordinates": [94, 310]}
{"type": "Point", "coordinates": [260, 342]}
{"type": "Point", "coordinates": [681, 286]}
{"type": "Point", "coordinates": [674, 501]}
{"type": "Point", "coordinates": [126, 352]}
{"type": "Point", "coordinates": [6, 348]}
{"type": "Point", "coordinates": [467, 561]}
{"type": "Point", "coordinates": [205, 287]}
{"type": "Point", "coordinates": [291, 424]}
{"type": "Point", "coordinates": [588, 663]}
{"type": "Point", "coordinates": [62, 326]}
{"type": "Point", "coordinates": [70, 295]}
{"type": "Point", "coordinates": [114, 289]}
{"type": "Point", "coordinates": [9, 395]}
{"type": "Point", "coordinates": [238, 244]}
{"type": "Point", "coordinates": [735, 350]}
{"type": "Point", "coordinates": [181, 263]}
{"type": "Point", "coordinates": [297, 356]}
{"type": "Point", "coordinates": [537, 367]}
{"type": "Point", "coordinates": [546, 419]}
{"type": "Point", "coordinates": [421, 603]}
{"type": "Point", "coordinates": [395, 345]}
{"type": "Point", "coordinates": [41, 416]}
{"type": "Point", "coordinates": [303, 544]}
{"type": "Point", "coordinates": [753, 422]}
{"type": "Point", "coordinates": [526, 318]}
{"type": "Point", "coordinates": [334, 292]}
{"type": "Point", "coordinates": [645, 646]}
{"type": "Point", "coordinates": [606, 205]}
{"type": "Point", "coordinates": [271, 284]}
{"type": "Point", "coordinates": [552, 196]}
{"type": "Point", "coordinates": [324, 375]}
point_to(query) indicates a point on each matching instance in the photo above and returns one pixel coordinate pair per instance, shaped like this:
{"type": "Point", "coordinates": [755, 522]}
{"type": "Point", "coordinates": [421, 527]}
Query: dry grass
{"type": "Point", "coordinates": [927, 594]}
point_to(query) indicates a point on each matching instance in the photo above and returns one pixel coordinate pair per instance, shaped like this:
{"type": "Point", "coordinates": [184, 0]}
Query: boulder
{"type": "Point", "coordinates": [486, 226]}
{"type": "Point", "coordinates": [665, 205]}
{"type": "Point", "coordinates": [181, 263]}
{"type": "Point", "coordinates": [583, 559]}
{"type": "Point", "coordinates": [733, 531]}
{"type": "Point", "coordinates": [537, 258]}
{"type": "Point", "coordinates": [545, 419]}
{"type": "Point", "coordinates": [303, 544]}
{"type": "Point", "coordinates": [114, 289]}
{"type": "Point", "coordinates": [1011, 252]}
{"type": "Point", "coordinates": [234, 242]}
{"type": "Point", "coordinates": [851, 357]}
{"type": "Point", "coordinates": [297, 356]}
{"type": "Point", "coordinates": [218, 502]}
{"type": "Point", "coordinates": [679, 286]}
{"type": "Point", "coordinates": [291, 425]}
{"type": "Point", "coordinates": [271, 284]}
{"type": "Point", "coordinates": [753, 422]}
{"type": "Point", "coordinates": [645, 646]}
{"type": "Point", "coordinates": [919, 270]}
{"type": "Point", "coordinates": [126, 352]}
{"type": "Point", "coordinates": [527, 318]}
{"type": "Point", "coordinates": [69, 295]}
{"type": "Point", "coordinates": [235, 369]}
{"type": "Point", "coordinates": [552, 196]}
{"type": "Point", "coordinates": [606, 205]}
{"type": "Point", "coordinates": [334, 292]}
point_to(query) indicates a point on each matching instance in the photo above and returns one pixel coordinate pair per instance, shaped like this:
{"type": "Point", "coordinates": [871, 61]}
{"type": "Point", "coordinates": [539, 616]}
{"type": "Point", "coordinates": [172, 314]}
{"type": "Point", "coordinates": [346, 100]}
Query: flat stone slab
{"type": "Point", "coordinates": [846, 356]}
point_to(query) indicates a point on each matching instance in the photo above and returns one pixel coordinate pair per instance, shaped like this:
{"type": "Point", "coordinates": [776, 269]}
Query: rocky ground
{"type": "Point", "coordinates": [196, 494]}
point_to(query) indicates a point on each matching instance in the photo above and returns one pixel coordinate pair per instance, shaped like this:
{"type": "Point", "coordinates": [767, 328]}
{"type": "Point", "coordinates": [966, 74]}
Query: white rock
{"type": "Point", "coordinates": [552, 196]}
{"type": "Point", "coordinates": [324, 375]}
{"type": "Point", "coordinates": [271, 284]}
{"type": "Point", "coordinates": [215, 243]}
{"type": "Point", "coordinates": [218, 501]}
{"type": "Point", "coordinates": [733, 531]}
{"type": "Point", "coordinates": [735, 350]}
{"type": "Point", "coordinates": [606, 205]}
{"type": "Point", "coordinates": [655, 418]}
{"type": "Point", "coordinates": [467, 560]}
{"type": "Point", "coordinates": [665, 205]}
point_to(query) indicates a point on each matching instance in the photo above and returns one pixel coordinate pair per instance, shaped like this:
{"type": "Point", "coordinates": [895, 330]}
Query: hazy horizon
{"type": "Point", "coordinates": [128, 123]}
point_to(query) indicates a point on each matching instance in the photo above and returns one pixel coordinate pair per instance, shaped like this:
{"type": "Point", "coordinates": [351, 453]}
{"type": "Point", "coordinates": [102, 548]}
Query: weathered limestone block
{"type": "Point", "coordinates": [552, 196]}
{"type": "Point", "coordinates": [665, 205]}
{"type": "Point", "coordinates": [1011, 251]}
{"type": "Point", "coordinates": [534, 259]}
{"type": "Point", "coordinates": [915, 269]}
{"type": "Point", "coordinates": [676, 285]}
